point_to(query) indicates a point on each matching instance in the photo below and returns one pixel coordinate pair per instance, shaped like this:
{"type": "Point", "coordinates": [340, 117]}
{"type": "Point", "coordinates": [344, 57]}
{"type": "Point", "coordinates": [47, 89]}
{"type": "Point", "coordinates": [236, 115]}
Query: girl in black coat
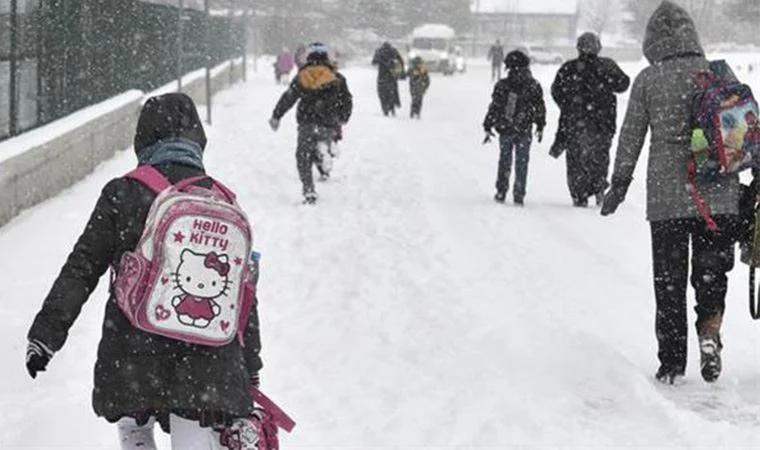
{"type": "Point", "coordinates": [141, 378]}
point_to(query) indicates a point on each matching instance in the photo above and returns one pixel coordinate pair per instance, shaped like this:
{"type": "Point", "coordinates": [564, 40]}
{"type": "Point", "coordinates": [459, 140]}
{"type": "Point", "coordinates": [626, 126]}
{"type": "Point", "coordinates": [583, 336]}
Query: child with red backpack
{"type": "Point", "coordinates": [180, 339]}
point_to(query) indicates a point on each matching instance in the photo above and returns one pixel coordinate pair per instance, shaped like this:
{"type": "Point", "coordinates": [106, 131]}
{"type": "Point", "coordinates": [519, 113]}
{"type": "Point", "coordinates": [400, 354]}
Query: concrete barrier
{"type": "Point", "coordinates": [39, 164]}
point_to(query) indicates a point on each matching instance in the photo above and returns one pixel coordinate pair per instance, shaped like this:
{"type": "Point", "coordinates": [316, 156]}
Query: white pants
{"type": "Point", "coordinates": [185, 435]}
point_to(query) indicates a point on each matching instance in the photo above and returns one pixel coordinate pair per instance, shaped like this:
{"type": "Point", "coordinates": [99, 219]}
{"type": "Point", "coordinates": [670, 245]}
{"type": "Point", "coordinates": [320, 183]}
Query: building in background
{"type": "Point", "coordinates": [524, 22]}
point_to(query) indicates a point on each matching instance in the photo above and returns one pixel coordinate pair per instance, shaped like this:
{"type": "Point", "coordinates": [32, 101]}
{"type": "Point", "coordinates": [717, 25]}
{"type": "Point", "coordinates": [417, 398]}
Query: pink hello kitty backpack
{"type": "Point", "coordinates": [189, 277]}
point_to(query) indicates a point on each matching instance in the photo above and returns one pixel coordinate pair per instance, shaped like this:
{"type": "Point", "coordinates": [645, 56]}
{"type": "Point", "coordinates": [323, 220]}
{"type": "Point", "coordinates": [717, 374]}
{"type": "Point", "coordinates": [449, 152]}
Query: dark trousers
{"type": "Point", "coordinates": [387, 91]}
{"type": "Point", "coordinates": [307, 152]}
{"type": "Point", "coordinates": [518, 143]}
{"type": "Point", "coordinates": [712, 257]}
{"type": "Point", "coordinates": [496, 71]}
{"type": "Point", "coordinates": [416, 105]}
{"type": "Point", "coordinates": [588, 164]}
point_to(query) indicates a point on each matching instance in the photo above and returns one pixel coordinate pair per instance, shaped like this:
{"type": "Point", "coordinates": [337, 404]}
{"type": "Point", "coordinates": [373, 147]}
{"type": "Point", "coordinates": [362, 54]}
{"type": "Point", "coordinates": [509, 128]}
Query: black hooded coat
{"type": "Point", "coordinates": [389, 62]}
{"type": "Point", "coordinates": [139, 374]}
{"type": "Point", "coordinates": [584, 89]}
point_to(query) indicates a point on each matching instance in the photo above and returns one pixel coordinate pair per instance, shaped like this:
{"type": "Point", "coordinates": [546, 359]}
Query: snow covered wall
{"type": "Point", "coordinates": [39, 164]}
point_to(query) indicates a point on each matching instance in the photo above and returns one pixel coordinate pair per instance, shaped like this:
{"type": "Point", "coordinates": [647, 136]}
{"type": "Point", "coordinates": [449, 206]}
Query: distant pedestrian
{"type": "Point", "coordinates": [585, 89]}
{"type": "Point", "coordinates": [324, 106]}
{"type": "Point", "coordinates": [419, 82]}
{"type": "Point", "coordinates": [390, 67]}
{"type": "Point", "coordinates": [284, 65]}
{"type": "Point", "coordinates": [517, 104]}
{"type": "Point", "coordinates": [496, 56]}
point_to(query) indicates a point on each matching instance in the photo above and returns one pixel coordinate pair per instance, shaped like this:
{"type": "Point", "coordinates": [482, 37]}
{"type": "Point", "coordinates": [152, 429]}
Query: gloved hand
{"type": "Point", "coordinates": [274, 123]}
{"type": "Point", "coordinates": [489, 136]}
{"type": "Point", "coordinates": [255, 380]}
{"type": "Point", "coordinates": [614, 197]}
{"type": "Point", "coordinates": [337, 134]}
{"type": "Point", "coordinates": [38, 356]}
{"type": "Point", "coordinates": [540, 135]}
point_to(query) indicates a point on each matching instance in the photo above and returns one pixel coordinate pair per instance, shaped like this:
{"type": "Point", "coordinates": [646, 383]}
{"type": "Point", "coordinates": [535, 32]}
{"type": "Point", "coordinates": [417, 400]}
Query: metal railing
{"type": "Point", "coordinates": [58, 56]}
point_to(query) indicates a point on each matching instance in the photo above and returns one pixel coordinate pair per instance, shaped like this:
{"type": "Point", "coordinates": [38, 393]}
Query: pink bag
{"type": "Point", "coordinates": [259, 431]}
{"type": "Point", "coordinates": [189, 277]}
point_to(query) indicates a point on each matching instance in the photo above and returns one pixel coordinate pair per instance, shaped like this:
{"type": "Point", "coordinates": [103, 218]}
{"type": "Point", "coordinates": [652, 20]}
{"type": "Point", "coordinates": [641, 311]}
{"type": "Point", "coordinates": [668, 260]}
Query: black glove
{"type": "Point", "coordinates": [255, 380]}
{"type": "Point", "coordinates": [540, 135]}
{"type": "Point", "coordinates": [614, 197]}
{"type": "Point", "coordinates": [489, 135]}
{"type": "Point", "coordinates": [38, 356]}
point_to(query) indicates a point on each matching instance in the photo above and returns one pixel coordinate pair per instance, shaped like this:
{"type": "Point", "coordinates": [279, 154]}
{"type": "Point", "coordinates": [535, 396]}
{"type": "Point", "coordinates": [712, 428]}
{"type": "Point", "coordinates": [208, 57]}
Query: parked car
{"type": "Point", "coordinates": [543, 55]}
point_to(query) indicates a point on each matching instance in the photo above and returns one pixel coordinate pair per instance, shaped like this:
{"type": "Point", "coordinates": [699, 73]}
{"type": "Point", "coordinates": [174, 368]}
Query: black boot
{"type": "Point", "coordinates": [579, 202]}
{"type": "Point", "coordinates": [500, 196]}
{"type": "Point", "coordinates": [710, 363]}
{"type": "Point", "coordinates": [710, 347]}
{"type": "Point", "coordinates": [669, 375]}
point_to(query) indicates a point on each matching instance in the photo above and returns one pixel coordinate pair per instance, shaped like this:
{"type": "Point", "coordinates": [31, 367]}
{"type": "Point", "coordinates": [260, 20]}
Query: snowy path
{"type": "Point", "coordinates": [407, 310]}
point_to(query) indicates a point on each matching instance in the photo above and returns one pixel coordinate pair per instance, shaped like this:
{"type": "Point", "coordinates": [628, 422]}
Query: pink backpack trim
{"type": "Point", "coordinates": [157, 182]}
{"type": "Point", "coordinates": [150, 177]}
{"type": "Point", "coordinates": [280, 418]}
{"type": "Point", "coordinates": [699, 201]}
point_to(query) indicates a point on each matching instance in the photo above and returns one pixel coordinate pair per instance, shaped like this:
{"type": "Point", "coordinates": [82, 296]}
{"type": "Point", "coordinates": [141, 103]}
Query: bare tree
{"type": "Point", "coordinates": [600, 15]}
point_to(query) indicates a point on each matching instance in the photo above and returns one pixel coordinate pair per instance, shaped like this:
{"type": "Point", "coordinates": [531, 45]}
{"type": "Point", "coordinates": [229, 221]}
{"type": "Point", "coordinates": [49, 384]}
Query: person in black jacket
{"type": "Point", "coordinates": [325, 106]}
{"type": "Point", "coordinates": [419, 82]}
{"type": "Point", "coordinates": [141, 378]}
{"type": "Point", "coordinates": [496, 57]}
{"type": "Point", "coordinates": [517, 103]}
{"type": "Point", "coordinates": [390, 67]}
{"type": "Point", "coordinates": [585, 89]}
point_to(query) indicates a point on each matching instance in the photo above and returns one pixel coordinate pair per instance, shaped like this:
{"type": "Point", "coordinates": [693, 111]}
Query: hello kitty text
{"type": "Point", "coordinates": [206, 231]}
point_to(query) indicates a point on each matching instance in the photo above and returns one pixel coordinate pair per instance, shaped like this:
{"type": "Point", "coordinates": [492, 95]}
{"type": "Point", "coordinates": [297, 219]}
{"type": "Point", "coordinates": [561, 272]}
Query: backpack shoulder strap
{"type": "Point", "coordinates": [150, 177]}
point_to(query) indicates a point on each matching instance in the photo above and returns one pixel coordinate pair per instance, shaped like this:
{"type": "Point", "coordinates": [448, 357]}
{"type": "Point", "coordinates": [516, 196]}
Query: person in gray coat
{"type": "Point", "coordinates": [659, 103]}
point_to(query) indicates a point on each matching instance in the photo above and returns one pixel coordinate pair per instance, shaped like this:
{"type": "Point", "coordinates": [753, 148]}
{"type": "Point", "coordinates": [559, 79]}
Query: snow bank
{"type": "Point", "coordinates": [40, 163]}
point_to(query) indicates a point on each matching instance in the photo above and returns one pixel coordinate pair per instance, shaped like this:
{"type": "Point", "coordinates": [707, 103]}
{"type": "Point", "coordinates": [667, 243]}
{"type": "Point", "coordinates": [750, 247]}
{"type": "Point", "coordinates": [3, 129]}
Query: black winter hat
{"type": "Point", "coordinates": [589, 44]}
{"type": "Point", "coordinates": [515, 59]}
{"type": "Point", "coordinates": [318, 52]}
{"type": "Point", "coordinates": [168, 116]}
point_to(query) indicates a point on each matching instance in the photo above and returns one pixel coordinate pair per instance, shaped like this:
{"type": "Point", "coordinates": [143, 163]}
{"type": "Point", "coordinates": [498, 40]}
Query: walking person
{"type": "Point", "coordinates": [517, 104]}
{"type": "Point", "coordinates": [142, 378]}
{"type": "Point", "coordinates": [324, 106]}
{"type": "Point", "coordinates": [496, 56]}
{"type": "Point", "coordinates": [390, 67]}
{"type": "Point", "coordinates": [283, 65]}
{"type": "Point", "coordinates": [584, 89]}
{"type": "Point", "coordinates": [419, 82]}
{"type": "Point", "coordinates": [660, 104]}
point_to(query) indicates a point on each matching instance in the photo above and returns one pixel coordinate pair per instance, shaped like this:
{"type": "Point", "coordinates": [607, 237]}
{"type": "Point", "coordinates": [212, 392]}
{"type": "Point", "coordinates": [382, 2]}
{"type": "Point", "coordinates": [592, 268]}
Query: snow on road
{"type": "Point", "coordinates": [407, 309]}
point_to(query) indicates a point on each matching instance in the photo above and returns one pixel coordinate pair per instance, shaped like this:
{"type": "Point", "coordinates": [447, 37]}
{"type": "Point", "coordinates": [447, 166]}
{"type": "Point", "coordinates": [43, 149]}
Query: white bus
{"type": "Point", "coordinates": [434, 43]}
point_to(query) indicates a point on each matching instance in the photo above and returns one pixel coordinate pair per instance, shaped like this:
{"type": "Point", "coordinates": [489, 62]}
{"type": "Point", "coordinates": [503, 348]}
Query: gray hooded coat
{"type": "Point", "coordinates": [659, 102]}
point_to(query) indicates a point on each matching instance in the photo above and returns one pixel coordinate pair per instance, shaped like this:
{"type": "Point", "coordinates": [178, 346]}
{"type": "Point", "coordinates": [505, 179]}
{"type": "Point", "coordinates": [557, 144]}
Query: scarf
{"type": "Point", "coordinates": [174, 151]}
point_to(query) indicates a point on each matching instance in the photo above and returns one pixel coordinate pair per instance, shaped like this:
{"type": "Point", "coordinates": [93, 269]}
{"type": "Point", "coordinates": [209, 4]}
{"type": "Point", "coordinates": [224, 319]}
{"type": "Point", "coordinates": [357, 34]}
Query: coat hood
{"type": "Point", "coordinates": [589, 44]}
{"type": "Point", "coordinates": [166, 117]}
{"type": "Point", "coordinates": [670, 32]}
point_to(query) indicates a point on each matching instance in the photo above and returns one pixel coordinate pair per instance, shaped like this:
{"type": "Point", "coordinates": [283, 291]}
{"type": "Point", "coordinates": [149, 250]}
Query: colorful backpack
{"type": "Point", "coordinates": [725, 135]}
{"type": "Point", "coordinates": [189, 277]}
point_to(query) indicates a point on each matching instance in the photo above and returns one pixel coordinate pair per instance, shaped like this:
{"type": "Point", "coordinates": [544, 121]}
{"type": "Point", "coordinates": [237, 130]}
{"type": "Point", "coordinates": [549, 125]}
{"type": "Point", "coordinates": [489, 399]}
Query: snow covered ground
{"type": "Point", "coordinates": [407, 309]}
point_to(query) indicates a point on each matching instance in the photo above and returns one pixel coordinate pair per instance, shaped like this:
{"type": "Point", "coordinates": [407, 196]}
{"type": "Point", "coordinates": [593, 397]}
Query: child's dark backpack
{"type": "Point", "coordinates": [725, 137]}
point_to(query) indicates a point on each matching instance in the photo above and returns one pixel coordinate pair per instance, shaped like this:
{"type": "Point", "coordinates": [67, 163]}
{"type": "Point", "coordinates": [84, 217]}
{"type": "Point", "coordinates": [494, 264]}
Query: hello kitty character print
{"type": "Point", "coordinates": [189, 277]}
{"type": "Point", "coordinates": [200, 278]}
